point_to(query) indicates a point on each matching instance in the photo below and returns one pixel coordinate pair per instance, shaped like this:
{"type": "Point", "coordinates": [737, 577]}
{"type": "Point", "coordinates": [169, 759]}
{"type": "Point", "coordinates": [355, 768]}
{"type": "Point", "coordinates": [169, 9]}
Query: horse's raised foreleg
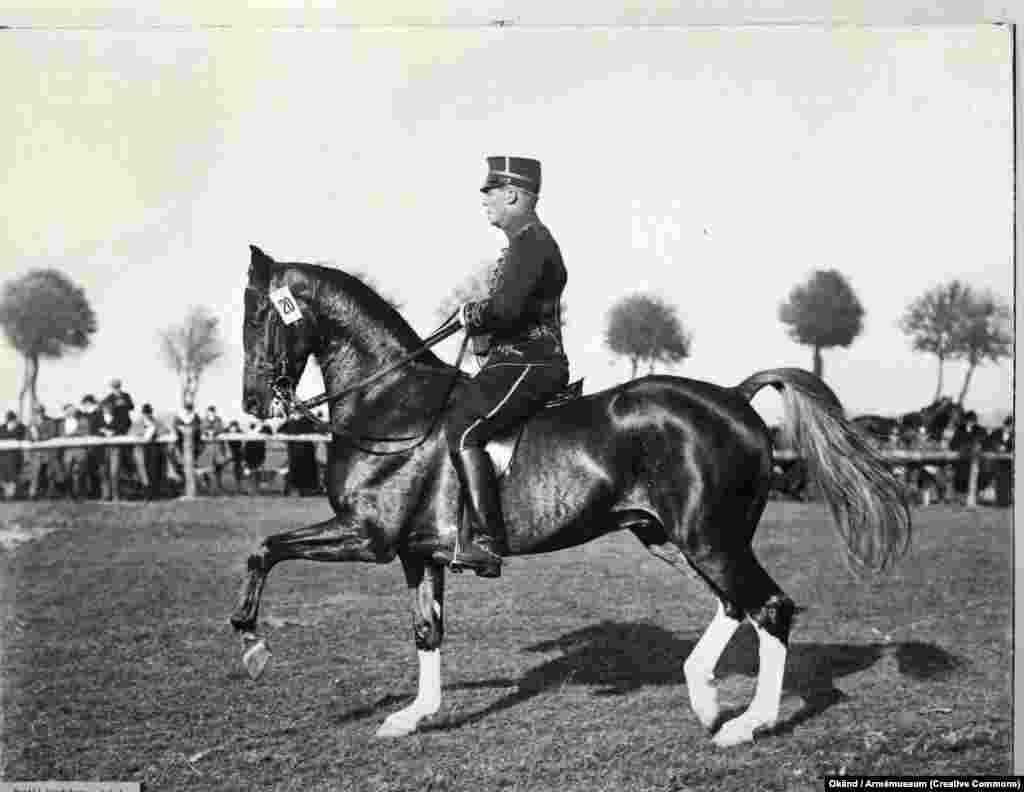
{"type": "Point", "coordinates": [426, 582]}
{"type": "Point", "coordinates": [330, 540]}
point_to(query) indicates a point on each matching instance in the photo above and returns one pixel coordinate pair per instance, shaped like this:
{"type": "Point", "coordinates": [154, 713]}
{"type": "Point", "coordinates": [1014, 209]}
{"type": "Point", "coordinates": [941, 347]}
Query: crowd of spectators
{"type": "Point", "coordinates": [966, 437]}
{"type": "Point", "coordinates": [150, 469]}
{"type": "Point", "coordinates": [928, 480]}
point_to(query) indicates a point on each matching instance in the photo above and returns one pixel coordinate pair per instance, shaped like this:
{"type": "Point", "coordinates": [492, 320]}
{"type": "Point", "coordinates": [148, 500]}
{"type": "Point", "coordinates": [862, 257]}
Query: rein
{"type": "Point", "coordinates": [283, 391]}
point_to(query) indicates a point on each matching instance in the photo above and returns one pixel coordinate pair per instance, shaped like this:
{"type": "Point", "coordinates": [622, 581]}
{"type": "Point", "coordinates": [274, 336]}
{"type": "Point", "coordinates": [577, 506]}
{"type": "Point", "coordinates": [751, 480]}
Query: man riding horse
{"type": "Point", "coordinates": [517, 328]}
{"type": "Point", "coordinates": [684, 465]}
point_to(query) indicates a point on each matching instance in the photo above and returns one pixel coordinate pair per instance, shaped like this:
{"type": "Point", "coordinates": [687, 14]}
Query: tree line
{"type": "Point", "coordinates": [953, 321]}
{"type": "Point", "coordinates": [45, 315]}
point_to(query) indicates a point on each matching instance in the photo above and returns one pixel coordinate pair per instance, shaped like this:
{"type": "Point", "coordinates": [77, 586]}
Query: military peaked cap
{"type": "Point", "coordinates": [515, 171]}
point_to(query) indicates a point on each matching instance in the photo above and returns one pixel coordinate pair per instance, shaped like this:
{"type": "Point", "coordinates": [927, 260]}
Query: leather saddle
{"type": "Point", "coordinates": [502, 449]}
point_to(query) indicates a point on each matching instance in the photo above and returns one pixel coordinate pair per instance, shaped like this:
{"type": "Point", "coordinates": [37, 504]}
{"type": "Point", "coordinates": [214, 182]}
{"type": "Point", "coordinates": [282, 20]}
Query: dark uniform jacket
{"type": "Point", "coordinates": [93, 421]}
{"type": "Point", "coordinates": [1000, 441]}
{"type": "Point", "coordinates": [966, 440]}
{"type": "Point", "coordinates": [522, 312]}
{"type": "Point", "coordinates": [302, 466]}
{"type": "Point", "coordinates": [11, 461]}
{"type": "Point", "coordinates": [121, 405]}
{"type": "Point", "coordinates": [255, 451]}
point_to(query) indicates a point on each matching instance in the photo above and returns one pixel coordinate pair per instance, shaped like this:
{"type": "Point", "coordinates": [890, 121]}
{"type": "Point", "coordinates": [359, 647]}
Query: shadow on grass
{"type": "Point", "coordinates": [616, 658]}
{"type": "Point", "coordinates": [388, 702]}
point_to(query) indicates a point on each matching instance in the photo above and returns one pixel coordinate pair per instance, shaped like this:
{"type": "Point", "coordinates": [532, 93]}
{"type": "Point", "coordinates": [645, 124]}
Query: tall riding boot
{"type": "Point", "coordinates": [482, 530]}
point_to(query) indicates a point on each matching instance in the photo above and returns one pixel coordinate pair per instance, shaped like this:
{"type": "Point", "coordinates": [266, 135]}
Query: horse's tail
{"type": "Point", "coordinates": [867, 502]}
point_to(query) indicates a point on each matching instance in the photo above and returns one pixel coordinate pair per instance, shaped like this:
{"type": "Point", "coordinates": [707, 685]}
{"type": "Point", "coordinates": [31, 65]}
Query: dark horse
{"type": "Point", "coordinates": [685, 465]}
{"type": "Point", "coordinates": [933, 419]}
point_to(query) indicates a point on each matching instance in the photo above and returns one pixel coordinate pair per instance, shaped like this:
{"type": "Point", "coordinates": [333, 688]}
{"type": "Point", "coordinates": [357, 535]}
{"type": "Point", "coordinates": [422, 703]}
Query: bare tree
{"type": "Point", "coordinates": [823, 312]}
{"type": "Point", "coordinates": [931, 322]}
{"type": "Point", "coordinates": [645, 328]}
{"type": "Point", "coordinates": [983, 333]}
{"type": "Point", "coordinates": [44, 315]}
{"type": "Point", "coordinates": [191, 347]}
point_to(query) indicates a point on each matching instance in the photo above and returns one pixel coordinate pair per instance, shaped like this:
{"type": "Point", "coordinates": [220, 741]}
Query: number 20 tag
{"type": "Point", "coordinates": [287, 307]}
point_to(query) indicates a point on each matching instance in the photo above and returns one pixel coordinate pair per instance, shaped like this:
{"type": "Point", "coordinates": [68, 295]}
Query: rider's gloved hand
{"type": "Point", "coordinates": [462, 316]}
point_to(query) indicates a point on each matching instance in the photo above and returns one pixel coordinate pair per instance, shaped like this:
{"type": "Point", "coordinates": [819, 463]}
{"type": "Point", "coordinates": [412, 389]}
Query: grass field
{"type": "Point", "coordinates": [118, 663]}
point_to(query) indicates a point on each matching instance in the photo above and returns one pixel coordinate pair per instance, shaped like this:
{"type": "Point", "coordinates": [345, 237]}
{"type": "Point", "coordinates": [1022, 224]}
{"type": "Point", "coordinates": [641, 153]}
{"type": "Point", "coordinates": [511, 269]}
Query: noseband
{"type": "Point", "coordinates": [281, 383]}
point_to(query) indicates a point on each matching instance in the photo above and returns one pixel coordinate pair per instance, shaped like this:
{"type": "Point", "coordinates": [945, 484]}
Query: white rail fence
{"type": "Point", "coordinates": [188, 453]}
{"type": "Point", "coordinates": [893, 456]}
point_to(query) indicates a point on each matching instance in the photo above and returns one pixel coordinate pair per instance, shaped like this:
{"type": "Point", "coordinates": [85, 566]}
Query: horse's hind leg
{"type": "Point", "coordinates": [699, 667]}
{"type": "Point", "coordinates": [426, 582]}
{"type": "Point", "coordinates": [772, 623]}
{"type": "Point", "coordinates": [742, 581]}
{"type": "Point", "coordinates": [727, 563]}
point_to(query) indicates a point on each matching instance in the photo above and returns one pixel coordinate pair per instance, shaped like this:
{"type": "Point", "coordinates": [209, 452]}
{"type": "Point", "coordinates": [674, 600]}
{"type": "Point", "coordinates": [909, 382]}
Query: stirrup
{"type": "Point", "coordinates": [487, 564]}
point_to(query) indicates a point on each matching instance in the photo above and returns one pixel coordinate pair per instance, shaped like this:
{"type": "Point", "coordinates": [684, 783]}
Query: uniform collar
{"type": "Point", "coordinates": [528, 224]}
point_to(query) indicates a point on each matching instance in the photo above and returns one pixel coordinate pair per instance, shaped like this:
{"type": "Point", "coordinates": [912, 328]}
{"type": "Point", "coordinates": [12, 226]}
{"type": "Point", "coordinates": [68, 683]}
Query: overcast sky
{"type": "Point", "coordinates": [714, 167]}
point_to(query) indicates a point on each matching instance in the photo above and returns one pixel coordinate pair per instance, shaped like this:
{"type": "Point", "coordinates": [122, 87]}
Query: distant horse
{"type": "Point", "coordinates": [685, 465]}
{"type": "Point", "coordinates": [937, 417]}
{"type": "Point", "coordinates": [933, 419]}
{"type": "Point", "coordinates": [878, 427]}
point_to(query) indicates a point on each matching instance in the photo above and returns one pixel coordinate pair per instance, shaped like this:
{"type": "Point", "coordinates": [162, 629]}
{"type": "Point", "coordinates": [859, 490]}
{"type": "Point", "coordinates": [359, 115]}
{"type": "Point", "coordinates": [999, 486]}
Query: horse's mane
{"type": "Point", "coordinates": [378, 309]}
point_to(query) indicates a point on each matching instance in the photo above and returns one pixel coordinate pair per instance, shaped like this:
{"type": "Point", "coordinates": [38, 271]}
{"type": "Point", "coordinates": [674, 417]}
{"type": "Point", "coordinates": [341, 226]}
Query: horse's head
{"type": "Point", "coordinates": [278, 335]}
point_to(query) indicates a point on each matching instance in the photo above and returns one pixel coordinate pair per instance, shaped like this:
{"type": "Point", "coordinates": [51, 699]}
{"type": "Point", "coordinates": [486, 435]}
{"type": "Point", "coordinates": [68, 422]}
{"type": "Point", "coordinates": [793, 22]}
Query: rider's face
{"type": "Point", "coordinates": [496, 204]}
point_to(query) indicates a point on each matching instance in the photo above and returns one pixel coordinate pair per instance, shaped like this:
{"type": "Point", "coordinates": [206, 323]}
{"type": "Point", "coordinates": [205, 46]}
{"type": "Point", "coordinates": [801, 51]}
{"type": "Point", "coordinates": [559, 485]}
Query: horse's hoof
{"type": "Point", "coordinates": [703, 697]}
{"type": "Point", "coordinates": [738, 731]}
{"type": "Point", "coordinates": [394, 727]}
{"type": "Point", "coordinates": [255, 659]}
{"type": "Point", "coordinates": [705, 707]}
{"type": "Point", "coordinates": [728, 738]}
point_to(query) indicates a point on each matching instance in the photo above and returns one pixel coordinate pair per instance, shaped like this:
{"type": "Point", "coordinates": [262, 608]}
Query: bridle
{"type": "Point", "coordinates": [282, 385]}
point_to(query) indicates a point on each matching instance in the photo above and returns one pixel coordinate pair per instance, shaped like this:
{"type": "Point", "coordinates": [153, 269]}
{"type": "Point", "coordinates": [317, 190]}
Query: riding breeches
{"type": "Point", "coordinates": [498, 399]}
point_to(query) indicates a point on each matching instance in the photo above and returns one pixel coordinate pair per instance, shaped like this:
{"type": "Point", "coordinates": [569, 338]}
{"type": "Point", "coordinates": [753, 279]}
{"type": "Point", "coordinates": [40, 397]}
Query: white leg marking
{"type": "Point", "coordinates": [700, 666]}
{"type": "Point", "coordinates": [763, 711]}
{"type": "Point", "coordinates": [426, 703]}
{"type": "Point", "coordinates": [255, 654]}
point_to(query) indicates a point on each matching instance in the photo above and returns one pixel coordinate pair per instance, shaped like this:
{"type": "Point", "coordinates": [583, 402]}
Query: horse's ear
{"type": "Point", "coordinates": [259, 268]}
